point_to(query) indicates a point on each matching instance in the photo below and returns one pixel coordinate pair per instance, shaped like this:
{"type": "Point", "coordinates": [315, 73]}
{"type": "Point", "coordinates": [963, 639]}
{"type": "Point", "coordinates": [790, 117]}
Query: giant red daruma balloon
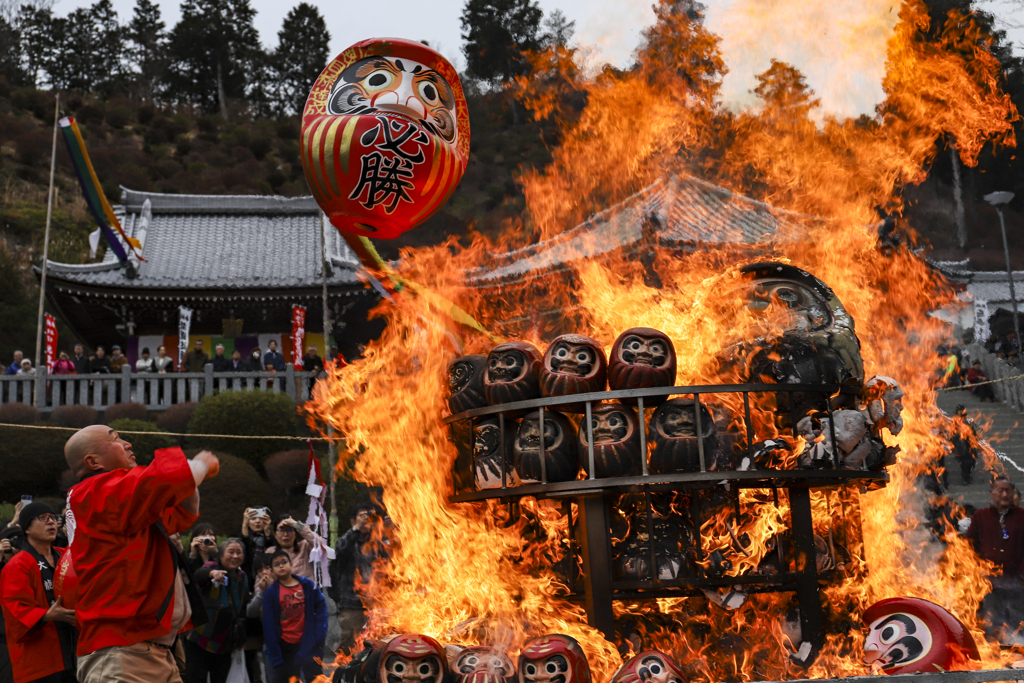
{"type": "Point", "coordinates": [65, 581]}
{"type": "Point", "coordinates": [385, 136]}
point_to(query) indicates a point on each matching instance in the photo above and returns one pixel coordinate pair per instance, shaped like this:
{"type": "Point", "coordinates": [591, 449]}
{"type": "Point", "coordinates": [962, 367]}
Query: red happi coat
{"type": "Point", "coordinates": [34, 645]}
{"type": "Point", "coordinates": [124, 564]}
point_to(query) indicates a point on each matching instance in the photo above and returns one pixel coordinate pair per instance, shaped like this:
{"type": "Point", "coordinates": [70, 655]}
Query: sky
{"type": "Point", "coordinates": [839, 45]}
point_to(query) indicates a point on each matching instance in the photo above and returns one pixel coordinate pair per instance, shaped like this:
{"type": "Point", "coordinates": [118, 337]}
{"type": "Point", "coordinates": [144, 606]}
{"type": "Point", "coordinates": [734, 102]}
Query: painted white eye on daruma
{"type": "Point", "coordinates": [425, 670]}
{"type": "Point", "coordinates": [379, 80]}
{"type": "Point", "coordinates": [898, 640]}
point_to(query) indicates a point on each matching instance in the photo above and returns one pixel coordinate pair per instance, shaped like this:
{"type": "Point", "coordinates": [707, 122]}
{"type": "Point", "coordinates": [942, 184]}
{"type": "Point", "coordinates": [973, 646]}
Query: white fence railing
{"type": "Point", "coordinates": [1010, 390]}
{"type": "Point", "coordinates": [155, 391]}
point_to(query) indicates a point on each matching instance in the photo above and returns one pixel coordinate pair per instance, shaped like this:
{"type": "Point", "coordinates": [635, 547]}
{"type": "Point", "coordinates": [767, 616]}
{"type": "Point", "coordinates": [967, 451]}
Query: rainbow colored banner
{"type": "Point", "coordinates": [93, 192]}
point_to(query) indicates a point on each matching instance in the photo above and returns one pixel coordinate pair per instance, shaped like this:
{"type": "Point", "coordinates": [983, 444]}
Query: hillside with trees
{"type": "Point", "coordinates": [204, 107]}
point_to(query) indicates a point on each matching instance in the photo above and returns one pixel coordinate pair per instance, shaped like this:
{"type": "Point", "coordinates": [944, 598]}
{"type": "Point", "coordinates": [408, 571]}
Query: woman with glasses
{"type": "Point", "coordinates": [225, 588]}
{"type": "Point", "coordinates": [298, 540]}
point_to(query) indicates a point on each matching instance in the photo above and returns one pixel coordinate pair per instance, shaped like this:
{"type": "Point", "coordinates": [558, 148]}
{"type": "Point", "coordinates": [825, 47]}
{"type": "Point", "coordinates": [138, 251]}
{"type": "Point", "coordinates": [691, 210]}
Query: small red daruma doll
{"type": "Point", "coordinates": [911, 635]}
{"type": "Point", "coordinates": [573, 364]}
{"type": "Point", "coordinates": [483, 665]}
{"type": "Point", "coordinates": [553, 659]}
{"type": "Point", "coordinates": [413, 658]}
{"type": "Point", "coordinates": [641, 358]}
{"type": "Point", "coordinates": [385, 136]}
{"type": "Point", "coordinates": [649, 667]}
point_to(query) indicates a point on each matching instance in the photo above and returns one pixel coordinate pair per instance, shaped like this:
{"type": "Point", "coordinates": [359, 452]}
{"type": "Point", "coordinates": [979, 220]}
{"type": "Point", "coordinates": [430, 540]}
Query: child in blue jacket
{"type": "Point", "coordinates": [294, 624]}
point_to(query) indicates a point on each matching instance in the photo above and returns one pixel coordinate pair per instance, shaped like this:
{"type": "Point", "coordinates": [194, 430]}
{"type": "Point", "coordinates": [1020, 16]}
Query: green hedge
{"type": "Point", "coordinates": [143, 445]}
{"type": "Point", "coordinates": [244, 413]}
{"type": "Point", "coordinates": [223, 498]}
{"type": "Point", "coordinates": [31, 462]}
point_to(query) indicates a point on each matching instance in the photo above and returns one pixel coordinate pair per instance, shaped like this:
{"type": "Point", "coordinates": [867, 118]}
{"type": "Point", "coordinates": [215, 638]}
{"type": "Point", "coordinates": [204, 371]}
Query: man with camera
{"type": "Point", "coordinates": [133, 597]}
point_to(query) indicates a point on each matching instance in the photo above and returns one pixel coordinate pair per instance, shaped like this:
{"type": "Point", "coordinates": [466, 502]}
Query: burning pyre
{"type": "Point", "coordinates": [473, 574]}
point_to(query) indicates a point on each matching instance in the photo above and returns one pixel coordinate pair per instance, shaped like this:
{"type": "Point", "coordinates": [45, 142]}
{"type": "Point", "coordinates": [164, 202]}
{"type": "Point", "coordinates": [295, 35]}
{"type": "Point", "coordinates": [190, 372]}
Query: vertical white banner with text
{"type": "Point", "coordinates": [184, 325]}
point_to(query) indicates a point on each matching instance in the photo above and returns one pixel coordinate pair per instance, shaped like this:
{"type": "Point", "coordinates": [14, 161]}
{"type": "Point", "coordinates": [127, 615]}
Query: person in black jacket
{"type": "Point", "coordinates": [100, 363]}
{"type": "Point", "coordinates": [80, 360]}
{"type": "Point", "coordinates": [361, 549]}
{"type": "Point", "coordinates": [254, 362]}
{"type": "Point", "coordinates": [220, 363]}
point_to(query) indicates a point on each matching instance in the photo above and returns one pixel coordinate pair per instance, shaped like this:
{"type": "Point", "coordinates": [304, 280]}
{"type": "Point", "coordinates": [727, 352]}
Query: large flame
{"type": "Point", "coordinates": [464, 573]}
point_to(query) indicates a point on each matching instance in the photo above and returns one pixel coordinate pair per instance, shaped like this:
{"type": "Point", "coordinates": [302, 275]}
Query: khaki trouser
{"type": "Point", "coordinates": [139, 663]}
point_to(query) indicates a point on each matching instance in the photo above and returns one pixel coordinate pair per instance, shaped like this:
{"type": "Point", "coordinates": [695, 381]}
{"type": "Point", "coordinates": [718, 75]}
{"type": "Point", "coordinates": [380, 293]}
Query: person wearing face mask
{"type": "Point", "coordinates": [254, 363]}
{"type": "Point", "coordinates": [225, 588]}
{"type": "Point", "coordinates": [41, 633]}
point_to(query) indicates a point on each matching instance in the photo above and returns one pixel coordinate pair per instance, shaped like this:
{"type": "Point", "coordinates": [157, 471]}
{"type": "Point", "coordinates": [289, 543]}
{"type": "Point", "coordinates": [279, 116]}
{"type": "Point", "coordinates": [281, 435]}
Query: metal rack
{"type": "Point", "coordinates": [591, 531]}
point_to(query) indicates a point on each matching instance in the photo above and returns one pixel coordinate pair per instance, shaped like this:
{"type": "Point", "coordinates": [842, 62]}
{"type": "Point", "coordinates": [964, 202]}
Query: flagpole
{"type": "Point", "coordinates": [46, 235]}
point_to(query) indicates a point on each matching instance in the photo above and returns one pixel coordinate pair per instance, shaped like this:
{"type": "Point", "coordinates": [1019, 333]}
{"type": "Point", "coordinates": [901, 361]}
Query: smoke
{"type": "Point", "coordinates": [839, 46]}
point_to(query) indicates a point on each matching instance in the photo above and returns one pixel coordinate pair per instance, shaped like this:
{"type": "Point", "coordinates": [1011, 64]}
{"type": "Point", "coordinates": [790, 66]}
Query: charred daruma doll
{"type": "Point", "coordinates": [487, 452]}
{"type": "Point", "coordinates": [649, 667]}
{"type": "Point", "coordinates": [911, 635]}
{"type": "Point", "coordinates": [466, 383]}
{"type": "Point", "coordinates": [616, 441]}
{"type": "Point", "coordinates": [642, 358]}
{"type": "Point", "coordinates": [413, 659]}
{"type": "Point", "coordinates": [559, 449]}
{"type": "Point", "coordinates": [483, 665]}
{"type": "Point", "coordinates": [385, 136]}
{"type": "Point", "coordinates": [553, 659]}
{"type": "Point", "coordinates": [512, 371]}
{"type": "Point", "coordinates": [672, 433]}
{"type": "Point", "coordinates": [573, 364]}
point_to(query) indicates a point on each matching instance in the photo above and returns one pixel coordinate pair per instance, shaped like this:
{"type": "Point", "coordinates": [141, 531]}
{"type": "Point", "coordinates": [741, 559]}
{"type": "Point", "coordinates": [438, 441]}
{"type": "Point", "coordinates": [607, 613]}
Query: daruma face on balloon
{"type": "Point", "coordinates": [385, 136]}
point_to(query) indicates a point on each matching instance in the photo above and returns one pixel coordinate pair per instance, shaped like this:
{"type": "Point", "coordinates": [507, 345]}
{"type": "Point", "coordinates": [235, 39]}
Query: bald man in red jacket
{"type": "Point", "coordinates": [133, 598]}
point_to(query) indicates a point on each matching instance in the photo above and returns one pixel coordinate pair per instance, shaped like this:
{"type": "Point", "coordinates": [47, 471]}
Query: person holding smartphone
{"type": "Point", "coordinates": [203, 547]}
{"type": "Point", "coordinates": [256, 533]}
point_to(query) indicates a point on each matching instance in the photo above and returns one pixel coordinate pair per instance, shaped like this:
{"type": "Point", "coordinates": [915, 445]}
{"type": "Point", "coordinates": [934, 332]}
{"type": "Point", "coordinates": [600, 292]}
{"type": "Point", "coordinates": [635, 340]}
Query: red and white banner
{"type": "Point", "coordinates": [298, 334]}
{"type": "Point", "coordinates": [51, 343]}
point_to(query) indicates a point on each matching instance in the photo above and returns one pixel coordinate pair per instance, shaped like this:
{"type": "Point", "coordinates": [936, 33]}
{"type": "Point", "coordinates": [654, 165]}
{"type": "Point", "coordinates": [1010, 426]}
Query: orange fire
{"type": "Point", "coordinates": [471, 573]}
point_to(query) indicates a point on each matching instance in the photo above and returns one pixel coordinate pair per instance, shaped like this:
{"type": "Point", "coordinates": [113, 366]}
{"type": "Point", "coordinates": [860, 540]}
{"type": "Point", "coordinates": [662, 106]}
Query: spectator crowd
{"type": "Point", "coordinates": [249, 600]}
{"type": "Point", "coordinates": [195, 361]}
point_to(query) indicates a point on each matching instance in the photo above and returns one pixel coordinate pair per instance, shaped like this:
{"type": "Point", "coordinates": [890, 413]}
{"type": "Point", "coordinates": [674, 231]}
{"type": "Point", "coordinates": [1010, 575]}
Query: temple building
{"type": "Point", "coordinates": [239, 262]}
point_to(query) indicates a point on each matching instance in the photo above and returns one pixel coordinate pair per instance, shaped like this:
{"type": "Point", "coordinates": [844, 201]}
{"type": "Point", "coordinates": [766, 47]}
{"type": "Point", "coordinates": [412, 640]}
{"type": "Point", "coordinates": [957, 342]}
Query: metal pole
{"type": "Point", "coordinates": [46, 234]}
{"type": "Point", "coordinates": [1009, 272]}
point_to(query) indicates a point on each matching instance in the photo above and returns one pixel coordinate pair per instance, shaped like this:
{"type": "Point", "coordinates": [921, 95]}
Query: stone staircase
{"type": "Point", "coordinates": [999, 424]}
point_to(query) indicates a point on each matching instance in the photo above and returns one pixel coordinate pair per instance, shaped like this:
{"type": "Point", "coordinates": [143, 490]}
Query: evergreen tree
{"type": "Point", "coordinates": [213, 51]}
{"type": "Point", "coordinates": [147, 51]}
{"type": "Point", "coordinates": [10, 53]}
{"type": "Point", "coordinates": [498, 35]}
{"type": "Point", "coordinates": [558, 31]}
{"type": "Point", "coordinates": [108, 64]}
{"type": "Point", "coordinates": [301, 55]}
{"type": "Point", "coordinates": [785, 93]}
{"type": "Point", "coordinates": [679, 51]}
{"type": "Point", "coordinates": [35, 26]}
{"type": "Point", "coordinates": [72, 61]}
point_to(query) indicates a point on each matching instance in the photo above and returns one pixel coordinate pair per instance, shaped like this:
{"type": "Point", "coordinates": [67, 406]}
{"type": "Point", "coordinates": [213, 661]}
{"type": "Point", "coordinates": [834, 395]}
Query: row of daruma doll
{"type": "Point", "coordinates": [574, 364]}
{"type": "Point", "coordinates": [904, 635]}
{"type": "Point", "coordinates": [555, 658]}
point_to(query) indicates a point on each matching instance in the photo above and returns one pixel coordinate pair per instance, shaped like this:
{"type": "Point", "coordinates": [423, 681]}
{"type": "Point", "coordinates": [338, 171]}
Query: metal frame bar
{"type": "Point", "coordinates": [597, 396]}
{"type": "Point", "coordinates": [755, 479]}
